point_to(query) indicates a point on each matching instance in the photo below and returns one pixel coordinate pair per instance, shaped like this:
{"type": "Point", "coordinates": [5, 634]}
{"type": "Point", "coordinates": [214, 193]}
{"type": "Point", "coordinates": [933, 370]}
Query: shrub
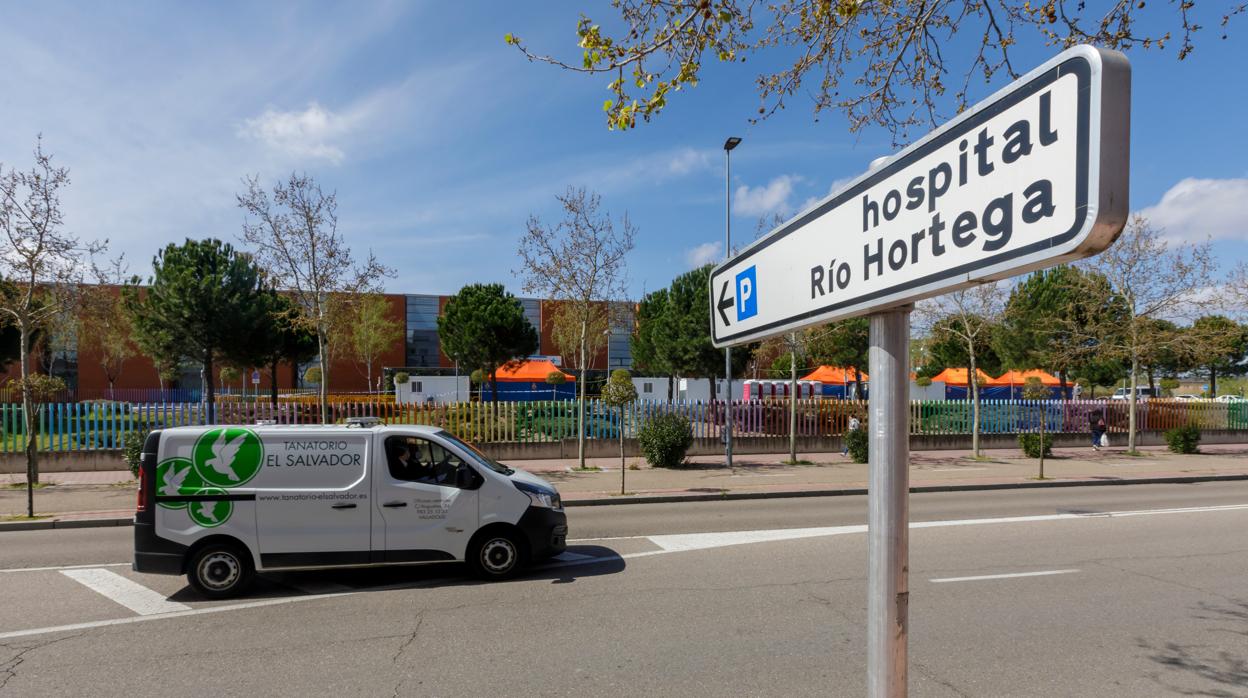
{"type": "Point", "coordinates": [856, 440]}
{"type": "Point", "coordinates": [401, 378]}
{"type": "Point", "coordinates": [1184, 439]}
{"type": "Point", "coordinates": [665, 439]}
{"type": "Point", "coordinates": [1030, 443]}
{"type": "Point", "coordinates": [133, 452]}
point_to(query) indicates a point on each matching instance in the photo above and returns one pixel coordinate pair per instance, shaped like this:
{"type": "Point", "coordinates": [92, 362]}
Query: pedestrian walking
{"type": "Point", "coordinates": [854, 425]}
{"type": "Point", "coordinates": [1096, 423]}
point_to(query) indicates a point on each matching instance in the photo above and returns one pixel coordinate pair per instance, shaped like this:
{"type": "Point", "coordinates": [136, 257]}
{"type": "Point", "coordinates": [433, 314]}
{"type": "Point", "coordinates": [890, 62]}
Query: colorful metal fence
{"type": "Point", "coordinates": [109, 425]}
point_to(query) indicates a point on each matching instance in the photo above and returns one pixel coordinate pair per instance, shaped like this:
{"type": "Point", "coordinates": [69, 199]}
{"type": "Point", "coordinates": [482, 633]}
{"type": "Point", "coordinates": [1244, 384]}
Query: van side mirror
{"type": "Point", "coordinates": [467, 479]}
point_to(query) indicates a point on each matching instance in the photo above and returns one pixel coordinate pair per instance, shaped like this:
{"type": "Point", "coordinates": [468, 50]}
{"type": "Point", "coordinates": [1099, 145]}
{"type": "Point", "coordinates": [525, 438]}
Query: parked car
{"type": "Point", "coordinates": [1141, 393]}
{"type": "Point", "coordinates": [1231, 398]}
{"type": "Point", "coordinates": [1188, 397]}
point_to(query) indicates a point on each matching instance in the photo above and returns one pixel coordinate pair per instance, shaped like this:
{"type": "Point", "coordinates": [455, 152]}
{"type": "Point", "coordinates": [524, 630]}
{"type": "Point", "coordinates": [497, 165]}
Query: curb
{"type": "Point", "coordinates": [858, 491]}
{"type": "Point", "coordinates": [730, 496]}
{"type": "Point", "coordinates": [66, 523]}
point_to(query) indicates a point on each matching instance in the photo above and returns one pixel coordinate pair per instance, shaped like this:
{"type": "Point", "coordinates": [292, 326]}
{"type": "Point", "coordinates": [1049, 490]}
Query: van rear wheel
{"type": "Point", "coordinates": [497, 554]}
{"type": "Point", "coordinates": [220, 571]}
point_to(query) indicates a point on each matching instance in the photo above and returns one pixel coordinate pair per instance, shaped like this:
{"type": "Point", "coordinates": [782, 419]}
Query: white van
{"type": "Point", "coordinates": [1141, 393]}
{"type": "Point", "coordinates": [219, 503]}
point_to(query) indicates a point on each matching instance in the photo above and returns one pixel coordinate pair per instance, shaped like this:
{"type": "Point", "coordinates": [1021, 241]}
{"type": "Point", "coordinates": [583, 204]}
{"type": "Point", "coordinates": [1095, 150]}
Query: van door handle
{"type": "Point", "coordinates": [392, 505]}
{"type": "Point", "coordinates": [341, 505]}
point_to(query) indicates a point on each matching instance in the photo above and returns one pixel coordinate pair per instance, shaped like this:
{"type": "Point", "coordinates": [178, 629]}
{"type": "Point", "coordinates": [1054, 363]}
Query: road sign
{"type": "Point", "coordinates": [1033, 176]}
{"type": "Point", "coordinates": [255, 378]}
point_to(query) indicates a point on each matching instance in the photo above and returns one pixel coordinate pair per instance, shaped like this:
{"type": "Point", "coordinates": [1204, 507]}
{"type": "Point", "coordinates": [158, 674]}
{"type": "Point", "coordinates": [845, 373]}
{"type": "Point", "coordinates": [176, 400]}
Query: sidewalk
{"type": "Point", "coordinates": [110, 495]}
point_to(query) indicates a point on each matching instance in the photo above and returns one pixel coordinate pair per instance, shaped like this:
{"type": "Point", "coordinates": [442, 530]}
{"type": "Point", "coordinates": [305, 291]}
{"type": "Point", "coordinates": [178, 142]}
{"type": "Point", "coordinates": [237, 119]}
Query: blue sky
{"type": "Point", "coordinates": [441, 140]}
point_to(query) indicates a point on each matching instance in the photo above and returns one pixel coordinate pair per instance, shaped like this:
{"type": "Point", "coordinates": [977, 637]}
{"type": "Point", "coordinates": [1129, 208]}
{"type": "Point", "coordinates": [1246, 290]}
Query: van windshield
{"type": "Point", "coordinates": [477, 455]}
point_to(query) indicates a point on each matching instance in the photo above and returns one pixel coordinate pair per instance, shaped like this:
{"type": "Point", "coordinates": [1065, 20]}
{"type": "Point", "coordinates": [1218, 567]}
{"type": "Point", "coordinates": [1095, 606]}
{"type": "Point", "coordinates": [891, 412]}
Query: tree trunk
{"type": "Point", "coordinates": [671, 385]}
{"type": "Point", "coordinates": [1043, 419]}
{"type": "Point", "coordinates": [623, 467]}
{"type": "Point", "coordinates": [580, 421]}
{"type": "Point", "coordinates": [858, 383]}
{"type": "Point", "coordinates": [1135, 369]}
{"type": "Point", "coordinates": [793, 400]}
{"type": "Point", "coordinates": [1152, 382]}
{"type": "Point", "coordinates": [28, 416]}
{"type": "Point", "coordinates": [973, 386]}
{"type": "Point", "coordinates": [210, 405]}
{"type": "Point", "coordinates": [273, 385]}
{"type": "Point", "coordinates": [1213, 382]}
{"type": "Point", "coordinates": [1061, 377]}
{"type": "Point", "coordinates": [323, 391]}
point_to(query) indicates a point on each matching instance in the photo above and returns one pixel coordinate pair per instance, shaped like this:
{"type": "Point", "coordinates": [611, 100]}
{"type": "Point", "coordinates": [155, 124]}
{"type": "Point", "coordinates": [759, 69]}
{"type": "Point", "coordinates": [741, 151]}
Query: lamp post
{"type": "Point", "coordinates": [729, 144]}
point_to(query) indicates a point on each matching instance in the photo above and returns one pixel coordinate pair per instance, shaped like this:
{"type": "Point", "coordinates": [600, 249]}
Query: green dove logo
{"type": "Point", "coordinates": [211, 513]}
{"type": "Point", "coordinates": [228, 457]}
{"type": "Point", "coordinates": [177, 477]}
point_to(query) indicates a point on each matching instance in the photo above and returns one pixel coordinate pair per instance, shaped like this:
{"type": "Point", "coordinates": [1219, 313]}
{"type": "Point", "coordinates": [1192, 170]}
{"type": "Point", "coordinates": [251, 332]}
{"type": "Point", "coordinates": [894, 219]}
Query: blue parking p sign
{"type": "Point", "coordinates": [747, 294]}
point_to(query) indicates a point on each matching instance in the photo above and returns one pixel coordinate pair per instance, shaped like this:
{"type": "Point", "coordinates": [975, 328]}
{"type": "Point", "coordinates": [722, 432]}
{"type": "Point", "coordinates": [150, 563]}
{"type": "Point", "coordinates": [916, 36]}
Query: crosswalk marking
{"type": "Point", "coordinates": [117, 588]}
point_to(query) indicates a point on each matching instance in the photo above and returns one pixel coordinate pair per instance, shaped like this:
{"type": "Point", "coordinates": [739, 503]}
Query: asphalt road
{"type": "Point", "coordinates": [728, 598]}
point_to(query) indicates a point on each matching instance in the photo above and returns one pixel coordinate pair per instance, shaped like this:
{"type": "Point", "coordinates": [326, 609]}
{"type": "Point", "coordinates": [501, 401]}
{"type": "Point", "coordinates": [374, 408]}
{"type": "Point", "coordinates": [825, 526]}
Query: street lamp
{"type": "Point", "coordinates": [729, 144]}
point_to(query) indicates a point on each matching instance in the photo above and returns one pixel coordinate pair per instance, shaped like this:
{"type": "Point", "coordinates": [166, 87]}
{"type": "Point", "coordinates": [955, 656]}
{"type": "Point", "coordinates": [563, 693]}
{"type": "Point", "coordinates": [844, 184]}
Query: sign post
{"type": "Point", "coordinates": [1035, 175]}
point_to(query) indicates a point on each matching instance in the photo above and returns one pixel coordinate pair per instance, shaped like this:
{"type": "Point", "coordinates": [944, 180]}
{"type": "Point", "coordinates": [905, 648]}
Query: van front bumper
{"type": "Point", "coordinates": [546, 531]}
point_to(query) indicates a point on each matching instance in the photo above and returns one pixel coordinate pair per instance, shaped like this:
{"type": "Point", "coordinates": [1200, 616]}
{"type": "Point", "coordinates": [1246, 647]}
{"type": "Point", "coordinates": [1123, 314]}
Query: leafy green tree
{"type": "Point", "coordinates": [555, 379]}
{"type": "Point", "coordinates": [883, 63]}
{"type": "Point", "coordinates": [688, 322]}
{"type": "Point", "coordinates": [652, 347]}
{"type": "Point", "coordinates": [1220, 348]}
{"type": "Point", "coordinates": [619, 393]}
{"type": "Point", "coordinates": [284, 338]}
{"type": "Point", "coordinates": [1035, 390]}
{"type": "Point", "coordinates": [1033, 332]}
{"type": "Point", "coordinates": [371, 331]}
{"type": "Point", "coordinates": [203, 302]}
{"type": "Point", "coordinates": [845, 344]}
{"type": "Point", "coordinates": [228, 374]}
{"type": "Point", "coordinates": [484, 326]}
{"type": "Point", "coordinates": [104, 327]}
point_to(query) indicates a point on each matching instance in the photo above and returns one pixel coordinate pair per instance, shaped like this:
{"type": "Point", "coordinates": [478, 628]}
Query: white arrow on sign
{"type": "Point", "coordinates": [1033, 176]}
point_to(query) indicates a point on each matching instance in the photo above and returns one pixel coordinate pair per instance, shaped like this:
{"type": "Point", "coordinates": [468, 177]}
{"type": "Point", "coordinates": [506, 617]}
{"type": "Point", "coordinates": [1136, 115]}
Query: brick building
{"type": "Point", "coordinates": [419, 352]}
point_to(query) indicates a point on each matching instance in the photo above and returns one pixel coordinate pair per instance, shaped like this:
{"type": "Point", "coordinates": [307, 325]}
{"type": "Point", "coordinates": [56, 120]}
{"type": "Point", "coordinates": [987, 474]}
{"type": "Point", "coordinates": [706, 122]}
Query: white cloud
{"type": "Point", "coordinates": [1195, 209]}
{"type": "Point", "coordinates": [765, 200]}
{"type": "Point", "coordinates": [832, 188]}
{"type": "Point", "coordinates": [705, 253]}
{"type": "Point", "coordinates": [304, 134]}
{"type": "Point", "coordinates": [687, 160]}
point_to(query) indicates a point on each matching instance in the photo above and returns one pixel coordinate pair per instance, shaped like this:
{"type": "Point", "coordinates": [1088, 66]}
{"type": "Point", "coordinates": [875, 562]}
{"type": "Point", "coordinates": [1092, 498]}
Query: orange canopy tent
{"type": "Point", "coordinates": [1020, 378]}
{"type": "Point", "coordinates": [833, 375]}
{"type": "Point", "coordinates": [957, 377]}
{"type": "Point", "coordinates": [528, 372]}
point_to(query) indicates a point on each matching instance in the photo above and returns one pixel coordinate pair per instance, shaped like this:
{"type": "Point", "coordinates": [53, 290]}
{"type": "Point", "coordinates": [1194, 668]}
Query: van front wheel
{"type": "Point", "coordinates": [496, 555]}
{"type": "Point", "coordinates": [220, 571]}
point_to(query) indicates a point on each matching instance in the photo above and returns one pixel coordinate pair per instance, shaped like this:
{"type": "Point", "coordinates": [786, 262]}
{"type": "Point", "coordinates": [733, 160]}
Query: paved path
{"type": "Point", "coordinates": [110, 494]}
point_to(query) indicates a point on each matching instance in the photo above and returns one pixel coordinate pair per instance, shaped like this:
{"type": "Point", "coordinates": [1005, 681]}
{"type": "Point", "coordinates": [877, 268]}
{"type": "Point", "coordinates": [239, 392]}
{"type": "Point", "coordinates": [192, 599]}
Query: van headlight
{"type": "Point", "coordinates": [540, 496]}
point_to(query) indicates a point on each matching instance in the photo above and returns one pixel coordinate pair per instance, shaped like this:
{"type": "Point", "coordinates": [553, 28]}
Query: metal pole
{"type": "Point", "coordinates": [728, 350]}
{"type": "Point", "coordinates": [888, 515]}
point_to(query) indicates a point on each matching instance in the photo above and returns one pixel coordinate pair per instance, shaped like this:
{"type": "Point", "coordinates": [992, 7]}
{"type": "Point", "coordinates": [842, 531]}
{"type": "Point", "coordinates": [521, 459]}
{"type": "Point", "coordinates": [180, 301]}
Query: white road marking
{"type": "Point", "coordinates": [161, 616]}
{"type": "Point", "coordinates": [703, 541]}
{"type": "Point", "coordinates": [130, 594]}
{"type": "Point", "coordinates": [1002, 576]}
{"type": "Point", "coordinates": [63, 567]}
